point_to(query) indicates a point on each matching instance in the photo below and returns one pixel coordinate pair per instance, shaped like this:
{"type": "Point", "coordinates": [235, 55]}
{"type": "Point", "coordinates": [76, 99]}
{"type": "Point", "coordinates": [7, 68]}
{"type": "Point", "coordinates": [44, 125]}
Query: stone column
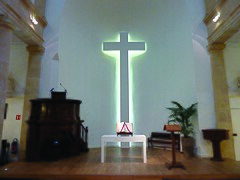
{"type": "Point", "coordinates": [31, 90]}
{"type": "Point", "coordinates": [221, 98]}
{"type": "Point", "coordinates": [5, 50]}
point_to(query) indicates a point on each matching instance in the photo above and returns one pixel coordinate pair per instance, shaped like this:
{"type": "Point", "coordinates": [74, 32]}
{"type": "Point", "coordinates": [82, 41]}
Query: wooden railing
{"type": "Point", "coordinates": [83, 133]}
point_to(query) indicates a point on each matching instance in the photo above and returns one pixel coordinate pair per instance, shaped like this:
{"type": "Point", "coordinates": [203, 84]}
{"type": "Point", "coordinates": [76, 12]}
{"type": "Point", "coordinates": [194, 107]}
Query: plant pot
{"type": "Point", "coordinates": [188, 146]}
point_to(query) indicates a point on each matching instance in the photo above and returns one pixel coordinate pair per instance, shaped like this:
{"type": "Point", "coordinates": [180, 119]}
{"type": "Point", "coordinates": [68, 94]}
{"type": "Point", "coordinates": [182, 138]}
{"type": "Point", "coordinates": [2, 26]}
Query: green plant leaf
{"type": "Point", "coordinates": [182, 116]}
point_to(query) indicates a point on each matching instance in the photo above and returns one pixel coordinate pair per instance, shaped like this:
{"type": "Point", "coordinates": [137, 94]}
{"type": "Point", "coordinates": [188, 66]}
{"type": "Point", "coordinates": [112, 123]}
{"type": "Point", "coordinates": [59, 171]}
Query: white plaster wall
{"type": "Point", "coordinates": [204, 89]}
{"type": "Point", "coordinates": [11, 126]}
{"type": "Point", "coordinates": [15, 91]}
{"type": "Point", "coordinates": [17, 70]}
{"type": "Point", "coordinates": [164, 73]}
{"type": "Point", "coordinates": [235, 113]}
{"type": "Point", "coordinates": [50, 61]}
{"type": "Point", "coordinates": [232, 65]}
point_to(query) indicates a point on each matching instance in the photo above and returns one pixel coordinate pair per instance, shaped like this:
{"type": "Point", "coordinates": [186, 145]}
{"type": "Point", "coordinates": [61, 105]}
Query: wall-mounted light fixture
{"type": "Point", "coordinates": [33, 19]}
{"type": "Point", "coordinates": [216, 18]}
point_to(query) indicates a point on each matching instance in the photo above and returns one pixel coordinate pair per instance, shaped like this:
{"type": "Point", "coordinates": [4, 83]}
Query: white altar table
{"type": "Point", "coordinates": [115, 138]}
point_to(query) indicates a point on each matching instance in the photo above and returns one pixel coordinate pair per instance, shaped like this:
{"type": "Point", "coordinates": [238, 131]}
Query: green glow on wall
{"type": "Point", "coordinates": [132, 56]}
{"type": "Point", "coordinates": [116, 56]}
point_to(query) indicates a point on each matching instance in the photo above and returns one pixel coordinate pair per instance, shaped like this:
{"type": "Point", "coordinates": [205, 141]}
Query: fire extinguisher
{"type": "Point", "coordinates": [14, 146]}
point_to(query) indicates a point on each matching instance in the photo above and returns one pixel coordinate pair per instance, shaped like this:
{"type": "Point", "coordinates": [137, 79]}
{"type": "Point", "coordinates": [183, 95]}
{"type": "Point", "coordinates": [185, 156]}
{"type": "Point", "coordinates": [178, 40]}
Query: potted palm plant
{"type": "Point", "coordinates": [182, 116]}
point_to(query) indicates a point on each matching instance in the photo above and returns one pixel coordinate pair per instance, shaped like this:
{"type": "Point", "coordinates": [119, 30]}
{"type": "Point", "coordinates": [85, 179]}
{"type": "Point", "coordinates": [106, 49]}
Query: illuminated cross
{"type": "Point", "coordinates": [124, 46]}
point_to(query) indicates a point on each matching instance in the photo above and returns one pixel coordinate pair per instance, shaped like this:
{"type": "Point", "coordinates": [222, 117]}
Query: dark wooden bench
{"type": "Point", "coordinates": [163, 140]}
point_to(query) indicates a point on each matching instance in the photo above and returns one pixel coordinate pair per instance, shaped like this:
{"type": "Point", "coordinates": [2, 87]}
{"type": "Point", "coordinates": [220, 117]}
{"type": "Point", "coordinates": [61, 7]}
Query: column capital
{"type": "Point", "coordinates": [35, 49]}
{"type": "Point", "coordinates": [216, 47]}
{"type": "Point", "coordinates": [5, 23]}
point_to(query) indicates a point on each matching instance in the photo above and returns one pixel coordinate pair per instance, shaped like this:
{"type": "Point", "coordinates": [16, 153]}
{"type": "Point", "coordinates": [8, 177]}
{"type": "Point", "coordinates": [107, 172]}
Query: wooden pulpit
{"type": "Point", "coordinates": [216, 136]}
{"type": "Point", "coordinates": [174, 164]}
{"type": "Point", "coordinates": [58, 95]}
{"type": "Point", "coordinates": [55, 129]}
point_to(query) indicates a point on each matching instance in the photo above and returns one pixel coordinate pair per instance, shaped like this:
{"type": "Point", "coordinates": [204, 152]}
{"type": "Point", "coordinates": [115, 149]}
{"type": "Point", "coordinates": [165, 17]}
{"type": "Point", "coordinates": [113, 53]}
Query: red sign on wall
{"type": "Point", "coordinates": [18, 117]}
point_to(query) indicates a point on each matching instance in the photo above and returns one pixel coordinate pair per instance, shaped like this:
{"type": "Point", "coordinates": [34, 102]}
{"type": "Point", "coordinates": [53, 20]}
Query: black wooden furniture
{"type": "Point", "coordinates": [216, 136]}
{"type": "Point", "coordinates": [55, 129]}
{"type": "Point", "coordinates": [4, 156]}
{"type": "Point", "coordinates": [164, 140]}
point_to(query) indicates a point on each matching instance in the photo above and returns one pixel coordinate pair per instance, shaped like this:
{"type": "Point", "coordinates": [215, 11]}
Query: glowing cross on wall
{"type": "Point", "coordinates": [124, 46]}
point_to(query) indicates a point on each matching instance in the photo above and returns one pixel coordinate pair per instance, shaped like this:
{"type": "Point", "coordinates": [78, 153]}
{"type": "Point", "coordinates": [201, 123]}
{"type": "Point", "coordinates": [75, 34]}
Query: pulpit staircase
{"type": "Point", "coordinates": [83, 133]}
